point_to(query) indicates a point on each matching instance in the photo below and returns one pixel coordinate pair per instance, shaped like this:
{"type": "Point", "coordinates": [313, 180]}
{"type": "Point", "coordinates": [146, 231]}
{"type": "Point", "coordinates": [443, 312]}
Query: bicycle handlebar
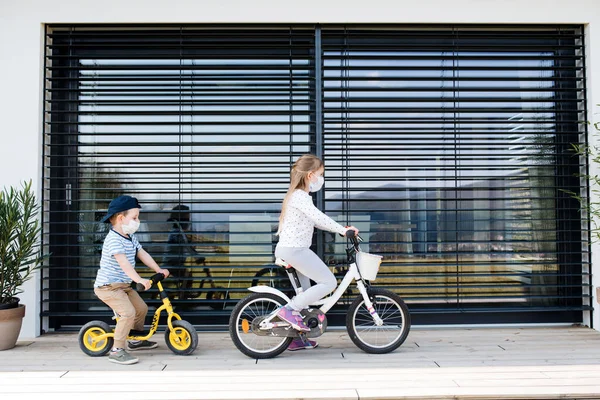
{"type": "Point", "coordinates": [154, 279]}
{"type": "Point", "coordinates": [354, 238]}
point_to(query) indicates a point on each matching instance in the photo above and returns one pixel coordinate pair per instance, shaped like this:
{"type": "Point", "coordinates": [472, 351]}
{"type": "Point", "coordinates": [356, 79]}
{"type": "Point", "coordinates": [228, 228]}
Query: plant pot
{"type": "Point", "coordinates": [13, 303]}
{"type": "Point", "coordinates": [10, 326]}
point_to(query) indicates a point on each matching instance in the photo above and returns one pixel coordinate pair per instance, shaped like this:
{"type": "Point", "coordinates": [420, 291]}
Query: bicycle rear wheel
{"type": "Point", "coordinates": [87, 338]}
{"type": "Point", "coordinates": [374, 339]}
{"type": "Point", "coordinates": [240, 326]}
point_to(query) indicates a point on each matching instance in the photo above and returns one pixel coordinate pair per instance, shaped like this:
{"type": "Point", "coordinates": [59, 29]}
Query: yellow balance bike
{"type": "Point", "coordinates": [96, 337]}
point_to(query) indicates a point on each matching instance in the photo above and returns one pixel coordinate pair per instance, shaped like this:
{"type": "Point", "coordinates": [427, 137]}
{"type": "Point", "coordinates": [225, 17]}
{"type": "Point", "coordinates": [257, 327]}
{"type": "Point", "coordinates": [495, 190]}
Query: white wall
{"type": "Point", "coordinates": [21, 28]}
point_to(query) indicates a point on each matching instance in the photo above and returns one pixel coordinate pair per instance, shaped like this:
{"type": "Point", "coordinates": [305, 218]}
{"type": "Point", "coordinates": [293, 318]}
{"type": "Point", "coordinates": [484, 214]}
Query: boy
{"type": "Point", "coordinates": [116, 272]}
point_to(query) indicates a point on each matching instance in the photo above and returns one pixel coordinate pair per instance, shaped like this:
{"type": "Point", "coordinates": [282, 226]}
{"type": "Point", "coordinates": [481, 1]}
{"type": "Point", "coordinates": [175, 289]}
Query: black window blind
{"type": "Point", "coordinates": [448, 146]}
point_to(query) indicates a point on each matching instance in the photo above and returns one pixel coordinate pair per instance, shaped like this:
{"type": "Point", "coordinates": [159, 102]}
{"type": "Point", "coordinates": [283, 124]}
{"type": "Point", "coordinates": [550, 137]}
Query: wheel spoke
{"type": "Point", "coordinates": [382, 336]}
{"type": "Point", "coordinates": [261, 307]}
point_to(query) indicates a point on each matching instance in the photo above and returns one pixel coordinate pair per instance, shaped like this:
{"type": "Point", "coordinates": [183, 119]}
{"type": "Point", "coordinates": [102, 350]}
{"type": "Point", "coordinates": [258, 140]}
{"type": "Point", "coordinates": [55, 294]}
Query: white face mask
{"type": "Point", "coordinates": [316, 186]}
{"type": "Point", "coordinates": [131, 227]}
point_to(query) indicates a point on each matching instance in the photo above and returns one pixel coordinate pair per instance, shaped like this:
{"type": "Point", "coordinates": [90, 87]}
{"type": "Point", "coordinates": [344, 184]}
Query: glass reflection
{"type": "Point", "coordinates": [453, 187]}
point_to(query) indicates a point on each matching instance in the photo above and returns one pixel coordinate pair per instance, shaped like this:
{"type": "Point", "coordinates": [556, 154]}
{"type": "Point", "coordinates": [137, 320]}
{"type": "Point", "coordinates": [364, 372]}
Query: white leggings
{"type": "Point", "coordinates": [308, 266]}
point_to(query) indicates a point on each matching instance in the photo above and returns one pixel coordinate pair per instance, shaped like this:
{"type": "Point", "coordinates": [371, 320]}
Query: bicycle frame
{"type": "Point", "coordinates": [328, 302]}
{"type": "Point", "coordinates": [167, 306]}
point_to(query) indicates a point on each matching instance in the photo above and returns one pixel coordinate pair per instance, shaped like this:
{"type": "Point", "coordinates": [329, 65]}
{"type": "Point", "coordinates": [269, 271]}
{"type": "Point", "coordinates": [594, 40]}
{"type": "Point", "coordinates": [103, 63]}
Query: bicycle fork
{"type": "Point", "coordinates": [368, 303]}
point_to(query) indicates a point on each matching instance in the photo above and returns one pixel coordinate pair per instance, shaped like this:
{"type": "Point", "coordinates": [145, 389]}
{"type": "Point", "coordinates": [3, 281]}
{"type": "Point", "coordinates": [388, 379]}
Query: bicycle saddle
{"type": "Point", "coordinates": [283, 263]}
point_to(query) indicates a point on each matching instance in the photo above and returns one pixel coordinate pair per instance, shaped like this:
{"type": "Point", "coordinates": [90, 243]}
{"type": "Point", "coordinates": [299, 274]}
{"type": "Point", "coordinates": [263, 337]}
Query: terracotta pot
{"type": "Point", "coordinates": [10, 326]}
{"type": "Point", "coordinates": [13, 303]}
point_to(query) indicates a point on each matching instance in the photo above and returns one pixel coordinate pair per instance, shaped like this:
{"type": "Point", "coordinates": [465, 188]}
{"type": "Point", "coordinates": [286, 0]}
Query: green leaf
{"type": "Point", "coordinates": [20, 248]}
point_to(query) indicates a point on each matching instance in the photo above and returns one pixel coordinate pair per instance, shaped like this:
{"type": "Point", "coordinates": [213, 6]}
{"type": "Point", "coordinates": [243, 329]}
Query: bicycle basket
{"type": "Point", "coordinates": [368, 265]}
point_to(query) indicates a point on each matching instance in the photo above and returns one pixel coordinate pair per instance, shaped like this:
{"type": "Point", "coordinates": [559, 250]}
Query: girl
{"type": "Point", "coordinates": [298, 218]}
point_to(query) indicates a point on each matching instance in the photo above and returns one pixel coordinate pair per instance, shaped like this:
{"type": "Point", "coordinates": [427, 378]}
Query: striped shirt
{"type": "Point", "coordinates": [301, 217]}
{"type": "Point", "coordinates": [110, 271]}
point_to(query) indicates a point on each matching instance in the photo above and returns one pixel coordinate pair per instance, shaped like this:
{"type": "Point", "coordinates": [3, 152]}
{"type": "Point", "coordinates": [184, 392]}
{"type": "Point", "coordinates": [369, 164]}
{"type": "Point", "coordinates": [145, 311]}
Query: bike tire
{"type": "Point", "coordinates": [88, 331]}
{"type": "Point", "coordinates": [183, 340]}
{"type": "Point", "coordinates": [362, 329]}
{"type": "Point", "coordinates": [249, 307]}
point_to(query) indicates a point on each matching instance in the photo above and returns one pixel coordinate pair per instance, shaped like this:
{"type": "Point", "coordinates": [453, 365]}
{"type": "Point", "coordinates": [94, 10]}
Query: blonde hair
{"type": "Point", "coordinates": [299, 179]}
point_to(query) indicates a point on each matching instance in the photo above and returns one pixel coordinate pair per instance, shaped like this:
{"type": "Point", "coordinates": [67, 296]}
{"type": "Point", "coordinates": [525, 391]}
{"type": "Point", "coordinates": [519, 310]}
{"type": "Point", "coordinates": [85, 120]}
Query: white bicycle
{"type": "Point", "coordinates": [378, 321]}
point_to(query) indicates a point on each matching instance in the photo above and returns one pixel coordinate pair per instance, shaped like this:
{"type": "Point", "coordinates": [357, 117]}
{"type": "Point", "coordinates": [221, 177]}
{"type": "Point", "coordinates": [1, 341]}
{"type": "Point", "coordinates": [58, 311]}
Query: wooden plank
{"type": "Point", "coordinates": [469, 363]}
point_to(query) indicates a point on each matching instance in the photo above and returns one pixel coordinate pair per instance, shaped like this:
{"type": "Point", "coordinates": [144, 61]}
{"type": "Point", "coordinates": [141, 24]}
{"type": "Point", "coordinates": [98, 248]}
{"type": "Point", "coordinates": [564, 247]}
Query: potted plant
{"type": "Point", "coordinates": [20, 256]}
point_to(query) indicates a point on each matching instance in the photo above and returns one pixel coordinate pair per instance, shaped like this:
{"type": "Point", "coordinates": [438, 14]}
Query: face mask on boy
{"type": "Point", "coordinates": [131, 227]}
{"type": "Point", "coordinates": [316, 186]}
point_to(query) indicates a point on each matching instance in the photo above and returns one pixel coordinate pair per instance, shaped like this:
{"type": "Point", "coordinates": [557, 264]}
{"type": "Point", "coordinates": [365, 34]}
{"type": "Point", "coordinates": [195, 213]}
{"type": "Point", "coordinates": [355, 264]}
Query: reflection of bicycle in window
{"type": "Point", "coordinates": [273, 276]}
{"type": "Point", "coordinates": [218, 296]}
{"type": "Point", "coordinates": [183, 259]}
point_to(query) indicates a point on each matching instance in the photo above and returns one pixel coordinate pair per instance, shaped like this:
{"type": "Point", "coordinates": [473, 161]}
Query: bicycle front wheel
{"type": "Point", "coordinates": [374, 339]}
{"type": "Point", "coordinates": [251, 344]}
{"type": "Point", "coordinates": [183, 339]}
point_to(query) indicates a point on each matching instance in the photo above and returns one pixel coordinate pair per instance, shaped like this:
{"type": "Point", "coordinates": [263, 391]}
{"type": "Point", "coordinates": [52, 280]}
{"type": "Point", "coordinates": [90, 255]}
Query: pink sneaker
{"type": "Point", "coordinates": [293, 318]}
{"type": "Point", "coordinates": [299, 344]}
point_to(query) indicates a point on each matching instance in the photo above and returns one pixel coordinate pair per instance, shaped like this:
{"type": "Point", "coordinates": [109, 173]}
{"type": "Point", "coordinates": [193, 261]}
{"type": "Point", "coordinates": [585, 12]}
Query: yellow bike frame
{"type": "Point", "coordinates": [154, 326]}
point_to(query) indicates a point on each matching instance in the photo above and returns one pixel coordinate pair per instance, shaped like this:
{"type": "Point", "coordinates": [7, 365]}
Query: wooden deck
{"type": "Point", "coordinates": [482, 363]}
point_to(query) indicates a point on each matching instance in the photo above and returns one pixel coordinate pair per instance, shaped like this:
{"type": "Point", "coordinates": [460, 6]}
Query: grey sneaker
{"type": "Point", "coordinates": [122, 357]}
{"type": "Point", "coordinates": [141, 345]}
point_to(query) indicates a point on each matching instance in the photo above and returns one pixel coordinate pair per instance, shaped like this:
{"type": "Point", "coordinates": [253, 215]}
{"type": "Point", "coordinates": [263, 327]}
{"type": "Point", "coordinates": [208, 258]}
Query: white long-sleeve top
{"type": "Point", "coordinates": [301, 217]}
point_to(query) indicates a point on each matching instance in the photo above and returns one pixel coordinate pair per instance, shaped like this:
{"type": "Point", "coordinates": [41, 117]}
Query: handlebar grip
{"type": "Point", "coordinates": [154, 279]}
{"type": "Point", "coordinates": [350, 233]}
